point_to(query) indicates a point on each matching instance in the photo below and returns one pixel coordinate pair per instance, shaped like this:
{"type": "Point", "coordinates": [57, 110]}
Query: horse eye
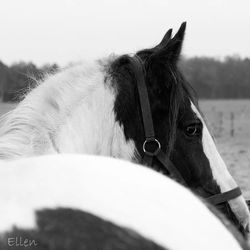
{"type": "Point", "coordinates": [193, 130]}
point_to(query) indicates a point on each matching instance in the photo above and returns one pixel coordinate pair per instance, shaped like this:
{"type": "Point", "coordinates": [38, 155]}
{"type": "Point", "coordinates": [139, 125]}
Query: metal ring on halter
{"type": "Point", "coordinates": [150, 140]}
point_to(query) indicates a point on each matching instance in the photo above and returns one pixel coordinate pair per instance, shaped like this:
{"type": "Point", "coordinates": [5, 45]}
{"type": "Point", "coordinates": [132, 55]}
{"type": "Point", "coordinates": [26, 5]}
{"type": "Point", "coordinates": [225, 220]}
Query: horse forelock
{"type": "Point", "coordinates": [179, 94]}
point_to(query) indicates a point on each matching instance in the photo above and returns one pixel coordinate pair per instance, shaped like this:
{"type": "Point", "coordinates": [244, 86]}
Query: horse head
{"type": "Point", "coordinates": [179, 125]}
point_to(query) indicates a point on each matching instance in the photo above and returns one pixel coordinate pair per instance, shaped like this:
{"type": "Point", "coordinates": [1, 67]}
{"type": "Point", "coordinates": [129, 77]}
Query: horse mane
{"type": "Point", "coordinates": [32, 125]}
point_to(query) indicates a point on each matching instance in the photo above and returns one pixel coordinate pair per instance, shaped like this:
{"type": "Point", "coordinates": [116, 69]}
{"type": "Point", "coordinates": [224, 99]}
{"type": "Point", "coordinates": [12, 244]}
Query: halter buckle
{"type": "Point", "coordinates": [150, 150]}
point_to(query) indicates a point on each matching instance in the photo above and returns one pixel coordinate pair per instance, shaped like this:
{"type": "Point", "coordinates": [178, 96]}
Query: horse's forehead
{"type": "Point", "coordinates": [196, 111]}
{"type": "Point", "coordinates": [188, 111]}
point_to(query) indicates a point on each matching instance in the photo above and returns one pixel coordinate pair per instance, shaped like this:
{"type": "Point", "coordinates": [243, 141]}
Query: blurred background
{"type": "Point", "coordinates": [44, 35]}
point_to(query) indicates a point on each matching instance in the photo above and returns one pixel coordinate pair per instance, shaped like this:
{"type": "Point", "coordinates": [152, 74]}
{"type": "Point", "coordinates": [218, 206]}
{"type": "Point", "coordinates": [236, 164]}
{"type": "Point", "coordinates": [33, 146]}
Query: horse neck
{"type": "Point", "coordinates": [92, 128]}
{"type": "Point", "coordinates": [71, 112]}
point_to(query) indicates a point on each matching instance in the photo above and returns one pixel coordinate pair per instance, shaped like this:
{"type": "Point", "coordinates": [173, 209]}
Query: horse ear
{"type": "Point", "coordinates": [175, 45]}
{"type": "Point", "coordinates": [164, 40]}
{"type": "Point", "coordinates": [172, 49]}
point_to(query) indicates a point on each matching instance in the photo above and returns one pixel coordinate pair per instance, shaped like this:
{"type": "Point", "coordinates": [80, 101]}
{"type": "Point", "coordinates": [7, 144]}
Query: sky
{"type": "Point", "coordinates": [63, 31]}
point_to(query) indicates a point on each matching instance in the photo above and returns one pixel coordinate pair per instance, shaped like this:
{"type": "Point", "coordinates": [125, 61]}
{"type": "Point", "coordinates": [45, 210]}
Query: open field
{"type": "Point", "coordinates": [229, 120]}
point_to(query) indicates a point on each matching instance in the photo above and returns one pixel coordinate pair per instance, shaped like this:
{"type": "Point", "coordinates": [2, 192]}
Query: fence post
{"type": "Point", "coordinates": [220, 124]}
{"type": "Point", "coordinates": [232, 124]}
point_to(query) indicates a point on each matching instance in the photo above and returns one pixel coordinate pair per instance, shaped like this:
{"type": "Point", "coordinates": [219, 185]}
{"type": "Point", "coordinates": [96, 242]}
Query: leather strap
{"type": "Point", "coordinates": [156, 152]}
{"type": "Point", "coordinates": [223, 197]}
{"type": "Point", "coordinates": [148, 123]}
{"type": "Point", "coordinates": [170, 167]}
{"type": "Point", "coordinates": [144, 99]}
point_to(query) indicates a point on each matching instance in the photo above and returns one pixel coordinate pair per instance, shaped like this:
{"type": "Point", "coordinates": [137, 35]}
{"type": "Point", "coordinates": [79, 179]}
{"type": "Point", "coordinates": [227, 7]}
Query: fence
{"type": "Point", "coordinates": [227, 119]}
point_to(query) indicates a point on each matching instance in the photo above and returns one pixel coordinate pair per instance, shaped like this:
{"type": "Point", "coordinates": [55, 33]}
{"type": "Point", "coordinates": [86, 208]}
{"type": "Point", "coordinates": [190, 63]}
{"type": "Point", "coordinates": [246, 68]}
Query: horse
{"type": "Point", "coordinates": [95, 108]}
{"type": "Point", "coordinates": [93, 202]}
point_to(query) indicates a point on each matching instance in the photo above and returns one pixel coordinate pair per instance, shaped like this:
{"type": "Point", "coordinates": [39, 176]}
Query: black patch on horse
{"type": "Point", "coordinates": [69, 229]}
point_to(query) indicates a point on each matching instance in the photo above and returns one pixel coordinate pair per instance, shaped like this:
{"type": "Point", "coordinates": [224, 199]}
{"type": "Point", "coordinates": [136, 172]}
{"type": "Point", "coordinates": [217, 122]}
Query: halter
{"type": "Point", "coordinates": [152, 147]}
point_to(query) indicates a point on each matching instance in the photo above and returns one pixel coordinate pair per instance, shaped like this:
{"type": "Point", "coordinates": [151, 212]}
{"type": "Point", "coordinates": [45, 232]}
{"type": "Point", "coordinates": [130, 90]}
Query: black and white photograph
{"type": "Point", "coordinates": [124, 125]}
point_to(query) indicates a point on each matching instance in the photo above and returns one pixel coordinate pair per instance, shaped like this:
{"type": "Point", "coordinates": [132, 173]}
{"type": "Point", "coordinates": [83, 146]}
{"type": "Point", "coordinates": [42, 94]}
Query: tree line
{"type": "Point", "coordinates": [211, 78]}
{"type": "Point", "coordinates": [17, 79]}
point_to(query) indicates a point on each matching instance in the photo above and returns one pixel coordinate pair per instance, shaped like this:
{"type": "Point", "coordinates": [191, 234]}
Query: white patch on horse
{"type": "Point", "coordinates": [70, 112]}
{"type": "Point", "coordinates": [126, 194]}
{"type": "Point", "coordinates": [221, 173]}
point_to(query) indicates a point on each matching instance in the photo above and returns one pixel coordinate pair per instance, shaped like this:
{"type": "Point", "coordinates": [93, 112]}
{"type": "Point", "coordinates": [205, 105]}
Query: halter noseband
{"type": "Point", "coordinates": [155, 151]}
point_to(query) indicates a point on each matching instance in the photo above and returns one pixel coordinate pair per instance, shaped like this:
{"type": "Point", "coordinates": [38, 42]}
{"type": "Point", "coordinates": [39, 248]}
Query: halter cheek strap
{"type": "Point", "coordinates": [152, 147]}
